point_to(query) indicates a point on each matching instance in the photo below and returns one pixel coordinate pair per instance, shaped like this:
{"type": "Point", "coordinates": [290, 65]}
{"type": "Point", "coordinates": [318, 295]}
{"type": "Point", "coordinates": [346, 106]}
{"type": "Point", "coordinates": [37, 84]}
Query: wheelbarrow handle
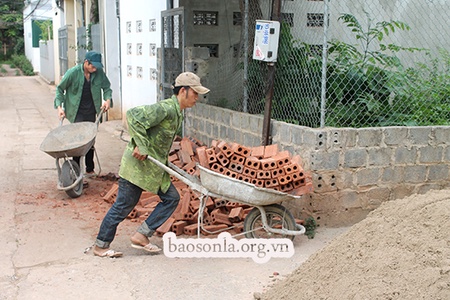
{"type": "Point", "coordinates": [96, 121]}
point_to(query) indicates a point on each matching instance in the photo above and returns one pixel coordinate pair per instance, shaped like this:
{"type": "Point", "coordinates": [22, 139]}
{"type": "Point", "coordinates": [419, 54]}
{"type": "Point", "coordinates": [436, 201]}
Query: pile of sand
{"type": "Point", "coordinates": [400, 251]}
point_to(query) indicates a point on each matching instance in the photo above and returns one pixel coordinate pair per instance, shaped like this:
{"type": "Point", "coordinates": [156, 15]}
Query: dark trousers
{"type": "Point", "coordinates": [89, 157]}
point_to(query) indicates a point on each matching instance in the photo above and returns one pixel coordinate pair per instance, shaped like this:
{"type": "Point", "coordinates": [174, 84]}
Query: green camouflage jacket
{"type": "Point", "coordinates": [152, 129]}
{"type": "Point", "coordinates": [68, 91]}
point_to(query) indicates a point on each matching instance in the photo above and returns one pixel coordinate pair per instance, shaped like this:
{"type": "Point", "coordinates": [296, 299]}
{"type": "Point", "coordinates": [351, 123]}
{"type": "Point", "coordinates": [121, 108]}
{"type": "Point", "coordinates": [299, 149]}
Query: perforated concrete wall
{"type": "Point", "coordinates": [353, 170]}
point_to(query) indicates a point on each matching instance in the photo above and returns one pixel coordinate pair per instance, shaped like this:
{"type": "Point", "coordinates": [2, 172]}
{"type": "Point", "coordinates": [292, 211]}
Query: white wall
{"type": "Point", "coordinates": [42, 12]}
{"type": "Point", "coordinates": [139, 88]}
{"type": "Point", "coordinates": [111, 53]}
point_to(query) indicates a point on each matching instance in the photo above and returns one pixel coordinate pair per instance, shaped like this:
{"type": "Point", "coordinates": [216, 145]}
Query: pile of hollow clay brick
{"type": "Point", "coordinates": [262, 166]}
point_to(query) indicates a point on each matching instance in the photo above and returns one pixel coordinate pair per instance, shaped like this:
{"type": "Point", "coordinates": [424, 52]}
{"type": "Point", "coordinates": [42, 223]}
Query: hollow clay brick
{"type": "Point", "coordinates": [258, 182]}
{"type": "Point", "coordinates": [296, 176]}
{"type": "Point", "coordinates": [270, 150]}
{"type": "Point", "coordinates": [236, 167]}
{"type": "Point", "coordinates": [230, 173]}
{"type": "Point", "coordinates": [190, 229]}
{"type": "Point", "coordinates": [263, 174]}
{"type": "Point", "coordinates": [291, 168]}
{"type": "Point", "coordinates": [222, 159]}
{"type": "Point", "coordinates": [270, 183]}
{"type": "Point", "coordinates": [244, 178]}
{"type": "Point", "coordinates": [220, 203]}
{"type": "Point", "coordinates": [305, 189]}
{"type": "Point", "coordinates": [241, 150]}
{"type": "Point", "coordinates": [213, 229]}
{"type": "Point", "coordinates": [284, 179]}
{"type": "Point", "coordinates": [249, 172]}
{"type": "Point", "coordinates": [257, 152]}
{"type": "Point", "coordinates": [178, 227]}
{"type": "Point", "coordinates": [237, 159]}
{"type": "Point", "coordinates": [211, 155]}
{"type": "Point", "coordinates": [282, 158]}
{"type": "Point", "coordinates": [224, 148]}
{"type": "Point", "coordinates": [218, 168]}
{"type": "Point", "coordinates": [252, 162]}
{"type": "Point", "coordinates": [278, 172]}
{"type": "Point", "coordinates": [268, 164]}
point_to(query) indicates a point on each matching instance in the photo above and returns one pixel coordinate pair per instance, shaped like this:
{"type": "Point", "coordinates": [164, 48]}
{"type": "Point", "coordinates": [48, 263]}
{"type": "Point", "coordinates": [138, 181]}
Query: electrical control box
{"type": "Point", "coordinates": [267, 34]}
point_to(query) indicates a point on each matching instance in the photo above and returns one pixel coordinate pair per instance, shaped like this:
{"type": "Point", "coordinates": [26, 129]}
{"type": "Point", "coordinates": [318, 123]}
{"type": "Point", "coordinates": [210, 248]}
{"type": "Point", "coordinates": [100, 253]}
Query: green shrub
{"type": "Point", "coordinates": [22, 62]}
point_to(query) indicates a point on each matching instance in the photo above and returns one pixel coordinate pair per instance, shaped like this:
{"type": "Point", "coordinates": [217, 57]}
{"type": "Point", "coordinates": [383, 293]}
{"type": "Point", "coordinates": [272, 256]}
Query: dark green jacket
{"type": "Point", "coordinates": [68, 92]}
{"type": "Point", "coordinates": [152, 128]}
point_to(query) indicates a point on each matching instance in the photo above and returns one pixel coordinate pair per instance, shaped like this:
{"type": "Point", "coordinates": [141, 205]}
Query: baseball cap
{"type": "Point", "coordinates": [95, 59]}
{"type": "Point", "coordinates": [191, 80]}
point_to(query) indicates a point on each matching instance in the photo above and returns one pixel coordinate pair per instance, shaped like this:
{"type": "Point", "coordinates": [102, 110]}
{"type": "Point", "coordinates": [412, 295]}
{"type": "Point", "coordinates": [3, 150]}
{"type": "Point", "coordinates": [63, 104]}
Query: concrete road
{"type": "Point", "coordinates": [43, 234]}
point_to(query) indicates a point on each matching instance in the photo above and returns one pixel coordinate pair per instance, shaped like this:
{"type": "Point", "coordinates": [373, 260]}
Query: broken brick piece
{"type": "Point", "coordinates": [166, 226]}
{"type": "Point", "coordinates": [186, 146]}
{"type": "Point", "coordinates": [202, 158]}
{"type": "Point", "coordinates": [236, 214]}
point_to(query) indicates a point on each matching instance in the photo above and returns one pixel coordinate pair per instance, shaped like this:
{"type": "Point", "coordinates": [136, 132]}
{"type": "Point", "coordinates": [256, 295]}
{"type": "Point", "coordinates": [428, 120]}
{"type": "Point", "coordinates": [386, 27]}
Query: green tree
{"type": "Point", "coordinates": [11, 24]}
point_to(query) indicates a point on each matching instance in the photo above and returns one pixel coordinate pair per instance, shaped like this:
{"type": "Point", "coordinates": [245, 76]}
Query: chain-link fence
{"type": "Point", "coordinates": [349, 63]}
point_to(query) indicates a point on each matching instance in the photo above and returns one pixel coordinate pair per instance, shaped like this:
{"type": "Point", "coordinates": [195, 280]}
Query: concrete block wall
{"type": "Point", "coordinates": [353, 170]}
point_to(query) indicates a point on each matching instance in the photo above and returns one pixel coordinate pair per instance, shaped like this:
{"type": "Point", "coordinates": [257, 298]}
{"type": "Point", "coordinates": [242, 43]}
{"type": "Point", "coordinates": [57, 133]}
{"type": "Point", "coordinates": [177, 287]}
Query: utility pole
{"type": "Point", "coordinates": [276, 13]}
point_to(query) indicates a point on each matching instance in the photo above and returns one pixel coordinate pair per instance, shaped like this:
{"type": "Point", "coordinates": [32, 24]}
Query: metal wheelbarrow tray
{"type": "Point", "coordinates": [65, 142]}
{"type": "Point", "coordinates": [70, 140]}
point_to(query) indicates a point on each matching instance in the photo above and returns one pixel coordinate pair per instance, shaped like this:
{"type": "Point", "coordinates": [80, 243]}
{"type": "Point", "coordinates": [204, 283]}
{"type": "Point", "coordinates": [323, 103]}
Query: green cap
{"type": "Point", "coordinates": [95, 59]}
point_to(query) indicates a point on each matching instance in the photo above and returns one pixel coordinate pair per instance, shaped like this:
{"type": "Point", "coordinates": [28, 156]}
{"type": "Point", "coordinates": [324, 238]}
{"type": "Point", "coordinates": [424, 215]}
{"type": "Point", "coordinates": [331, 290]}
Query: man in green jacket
{"type": "Point", "coordinates": [79, 96]}
{"type": "Point", "coordinates": [152, 129]}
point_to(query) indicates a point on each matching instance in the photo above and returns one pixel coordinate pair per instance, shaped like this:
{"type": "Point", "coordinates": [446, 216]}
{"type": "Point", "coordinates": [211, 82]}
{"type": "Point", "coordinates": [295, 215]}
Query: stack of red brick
{"type": "Point", "coordinates": [262, 166]}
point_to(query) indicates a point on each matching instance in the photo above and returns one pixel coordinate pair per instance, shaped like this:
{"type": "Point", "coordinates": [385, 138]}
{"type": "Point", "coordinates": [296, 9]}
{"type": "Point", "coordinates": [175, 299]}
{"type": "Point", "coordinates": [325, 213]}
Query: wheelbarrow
{"type": "Point", "coordinates": [268, 218]}
{"type": "Point", "coordinates": [65, 142]}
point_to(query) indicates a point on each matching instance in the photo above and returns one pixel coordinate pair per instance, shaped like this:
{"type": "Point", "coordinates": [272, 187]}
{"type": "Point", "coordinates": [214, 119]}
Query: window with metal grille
{"type": "Point", "coordinates": [314, 20]}
{"type": "Point", "coordinates": [288, 18]}
{"type": "Point", "coordinates": [237, 18]}
{"type": "Point", "coordinates": [213, 49]}
{"type": "Point", "coordinates": [206, 18]}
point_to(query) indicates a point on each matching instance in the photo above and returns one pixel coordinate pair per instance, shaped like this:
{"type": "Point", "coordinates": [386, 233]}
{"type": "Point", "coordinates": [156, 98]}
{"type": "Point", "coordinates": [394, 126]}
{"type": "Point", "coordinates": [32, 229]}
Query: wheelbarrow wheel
{"type": "Point", "coordinates": [278, 217]}
{"type": "Point", "coordinates": [70, 171]}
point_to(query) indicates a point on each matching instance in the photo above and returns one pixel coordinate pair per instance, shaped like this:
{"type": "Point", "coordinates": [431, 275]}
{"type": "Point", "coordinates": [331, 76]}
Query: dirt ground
{"type": "Point", "coordinates": [400, 251]}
